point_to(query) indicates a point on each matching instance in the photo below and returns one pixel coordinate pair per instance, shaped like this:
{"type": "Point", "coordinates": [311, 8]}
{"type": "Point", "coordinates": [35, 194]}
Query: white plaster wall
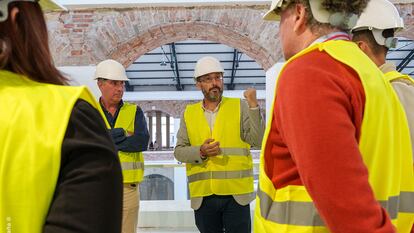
{"type": "Point", "coordinates": [182, 95]}
{"type": "Point", "coordinates": [271, 77]}
{"type": "Point", "coordinates": [177, 122]}
{"type": "Point", "coordinates": [83, 75]}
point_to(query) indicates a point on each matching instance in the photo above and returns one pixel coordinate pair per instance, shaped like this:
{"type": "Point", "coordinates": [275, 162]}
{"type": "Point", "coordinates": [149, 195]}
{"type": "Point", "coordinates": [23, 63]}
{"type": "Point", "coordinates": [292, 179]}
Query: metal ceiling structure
{"type": "Point", "coordinates": [171, 67]}
{"type": "Point", "coordinates": [403, 56]}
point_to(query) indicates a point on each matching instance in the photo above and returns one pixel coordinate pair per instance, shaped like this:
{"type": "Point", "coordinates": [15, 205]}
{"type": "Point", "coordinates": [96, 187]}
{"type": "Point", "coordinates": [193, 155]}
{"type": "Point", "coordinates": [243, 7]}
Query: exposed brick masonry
{"type": "Point", "coordinates": [86, 37]}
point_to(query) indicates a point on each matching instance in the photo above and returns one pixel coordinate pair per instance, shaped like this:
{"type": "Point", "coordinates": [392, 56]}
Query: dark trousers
{"type": "Point", "coordinates": [219, 214]}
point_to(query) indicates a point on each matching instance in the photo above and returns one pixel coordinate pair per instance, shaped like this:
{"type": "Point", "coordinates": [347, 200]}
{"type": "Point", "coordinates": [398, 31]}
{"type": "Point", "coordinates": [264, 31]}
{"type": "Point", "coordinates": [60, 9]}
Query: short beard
{"type": "Point", "coordinates": [211, 97]}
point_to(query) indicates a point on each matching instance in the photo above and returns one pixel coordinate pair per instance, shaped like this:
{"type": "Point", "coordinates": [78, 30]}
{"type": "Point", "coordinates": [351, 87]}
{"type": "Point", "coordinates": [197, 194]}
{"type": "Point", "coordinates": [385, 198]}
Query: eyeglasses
{"type": "Point", "coordinates": [115, 83]}
{"type": "Point", "coordinates": [209, 79]}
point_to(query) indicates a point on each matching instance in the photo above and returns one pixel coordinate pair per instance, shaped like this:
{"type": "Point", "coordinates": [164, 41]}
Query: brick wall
{"type": "Point", "coordinates": [407, 12]}
{"type": "Point", "coordinates": [89, 36]}
{"type": "Point", "coordinates": [86, 37]}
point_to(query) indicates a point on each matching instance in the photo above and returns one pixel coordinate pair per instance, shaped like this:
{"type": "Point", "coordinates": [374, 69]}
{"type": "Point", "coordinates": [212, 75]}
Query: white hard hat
{"type": "Point", "coordinates": [207, 65]}
{"type": "Point", "coordinates": [51, 5]}
{"type": "Point", "coordinates": [111, 70]}
{"type": "Point", "coordinates": [47, 5]}
{"type": "Point", "coordinates": [380, 15]}
{"type": "Point", "coordinates": [271, 15]}
{"type": "Point", "coordinates": [339, 19]}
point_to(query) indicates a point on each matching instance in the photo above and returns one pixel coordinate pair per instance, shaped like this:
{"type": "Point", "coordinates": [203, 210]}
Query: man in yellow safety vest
{"type": "Point", "coordinates": [375, 35]}
{"type": "Point", "coordinates": [337, 153]}
{"type": "Point", "coordinates": [214, 141]}
{"type": "Point", "coordinates": [129, 132]}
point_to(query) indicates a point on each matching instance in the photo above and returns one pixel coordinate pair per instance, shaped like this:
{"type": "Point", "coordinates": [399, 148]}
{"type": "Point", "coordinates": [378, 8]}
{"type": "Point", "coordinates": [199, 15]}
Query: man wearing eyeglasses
{"type": "Point", "coordinates": [214, 141]}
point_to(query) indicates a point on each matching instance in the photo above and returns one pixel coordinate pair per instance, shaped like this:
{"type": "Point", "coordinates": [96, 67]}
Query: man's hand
{"type": "Point", "coordinates": [250, 95]}
{"type": "Point", "coordinates": [209, 149]}
{"type": "Point", "coordinates": [117, 134]}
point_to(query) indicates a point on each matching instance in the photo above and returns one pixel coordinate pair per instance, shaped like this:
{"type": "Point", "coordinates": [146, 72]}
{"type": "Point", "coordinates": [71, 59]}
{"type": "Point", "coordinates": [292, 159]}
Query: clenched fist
{"type": "Point", "coordinates": [209, 148]}
{"type": "Point", "coordinates": [250, 95]}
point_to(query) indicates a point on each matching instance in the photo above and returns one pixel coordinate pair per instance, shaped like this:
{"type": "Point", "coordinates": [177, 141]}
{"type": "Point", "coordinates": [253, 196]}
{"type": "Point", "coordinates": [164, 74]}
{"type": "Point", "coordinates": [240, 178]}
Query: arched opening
{"type": "Point", "coordinates": [156, 187]}
{"type": "Point", "coordinates": [160, 35]}
{"type": "Point", "coordinates": [170, 67]}
{"type": "Point", "coordinates": [162, 130]}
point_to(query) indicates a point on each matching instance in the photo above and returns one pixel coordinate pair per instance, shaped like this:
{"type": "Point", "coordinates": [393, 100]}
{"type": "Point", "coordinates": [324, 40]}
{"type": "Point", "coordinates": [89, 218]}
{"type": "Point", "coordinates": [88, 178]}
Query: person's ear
{"type": "Point", "coordinates": [13, 14]}
{"type": "Point", "coordinates": [100, 83]}
{"type": "Point", "coordinates": [300, 13]}
{"type": "Point", "coordinates": [363, 46]}
{"type": "Point", "coordinates": [198, 85]}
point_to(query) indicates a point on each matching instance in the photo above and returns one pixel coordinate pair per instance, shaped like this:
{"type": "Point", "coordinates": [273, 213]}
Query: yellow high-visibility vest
{"type": "Point", "coordinates": [132, 163]}
{"type": "Point", "coordinates": [33, 121]}
{"type": "Point", "coordinates": [394, 75]}
{"type": "Point", "coordinates": [385, 146]}
{"type": "Point", "coordinates": [406, 97]}
{"type": "Point", "coordinates": [229, 173]}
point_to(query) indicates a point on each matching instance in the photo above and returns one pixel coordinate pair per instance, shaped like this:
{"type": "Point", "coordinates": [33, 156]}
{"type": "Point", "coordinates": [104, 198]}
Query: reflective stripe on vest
{"type": "Point", "coordinates": [132, 165]}
{"type": "Point", "coordinates": [290, 209]}
{"type": "Point", "coordinates": [34, 118]}
{"type": "Point", "coordinates": [229, 173]}
{"type": "Point", "coordinates": [220, 175]}
{"type": "Point", "coordinates": [235, 151]}
{"type": "Point", "coordinates": [306, 214]}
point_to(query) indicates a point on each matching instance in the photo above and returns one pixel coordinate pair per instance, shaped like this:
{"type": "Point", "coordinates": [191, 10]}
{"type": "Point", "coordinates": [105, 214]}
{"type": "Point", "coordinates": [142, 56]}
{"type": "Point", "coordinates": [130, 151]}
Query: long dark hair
{"type": "Point", "coordinates": [24, 47]}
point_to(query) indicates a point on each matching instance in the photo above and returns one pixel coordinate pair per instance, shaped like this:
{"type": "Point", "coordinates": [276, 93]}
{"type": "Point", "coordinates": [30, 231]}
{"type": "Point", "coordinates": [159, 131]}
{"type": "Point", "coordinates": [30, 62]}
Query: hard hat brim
{"type": "Point", "coordinates": [113, 79]}
{"type": "Point", "coordinates": [271, 15]}
{"type": "Point", "coordinates": [46, 5]}
{"type": "Point", "coordinates": [318, 12]}
{"type": "Point", "coordinates": [51, 5]}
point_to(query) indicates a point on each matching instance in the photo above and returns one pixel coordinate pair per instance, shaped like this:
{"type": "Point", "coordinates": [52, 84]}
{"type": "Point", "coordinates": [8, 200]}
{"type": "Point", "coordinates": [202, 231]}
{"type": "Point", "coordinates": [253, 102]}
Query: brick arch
{"type": "Point", "coordinates": [407, 13]}
{"type": "Point", "coordinates": [85, 37]}
{"type": "Point", "coordinates": [168, 33]}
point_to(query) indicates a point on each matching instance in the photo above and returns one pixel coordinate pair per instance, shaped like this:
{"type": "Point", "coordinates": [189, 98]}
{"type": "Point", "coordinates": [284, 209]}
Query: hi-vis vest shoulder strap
{"type": "Point", "coordinates": [386, 151]}
{"type": "Point", "coordinates": [394, 75]}
{"type": "Point", "coordinates": [229, 173]}
{"type": "Point", "coordinates": [33, 122]}
{"type": "Point", "coordinates": [132, 163]}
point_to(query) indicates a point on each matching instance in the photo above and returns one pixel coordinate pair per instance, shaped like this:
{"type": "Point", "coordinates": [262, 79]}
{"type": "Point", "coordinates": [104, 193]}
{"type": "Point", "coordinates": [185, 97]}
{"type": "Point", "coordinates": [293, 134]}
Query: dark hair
{"type": "Point", "coordinates": [346, 6]}
{"type": "Point", "coordinates": [368, 37]}
{"type": "Point", "coordinates": [24, 45]}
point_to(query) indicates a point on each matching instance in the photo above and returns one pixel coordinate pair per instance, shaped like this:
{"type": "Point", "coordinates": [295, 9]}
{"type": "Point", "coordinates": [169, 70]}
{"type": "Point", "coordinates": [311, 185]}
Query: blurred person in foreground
{"type": "Point", "coordinates": [337, 153]}
{"type": "Point", "coordinates": [59, 171]}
